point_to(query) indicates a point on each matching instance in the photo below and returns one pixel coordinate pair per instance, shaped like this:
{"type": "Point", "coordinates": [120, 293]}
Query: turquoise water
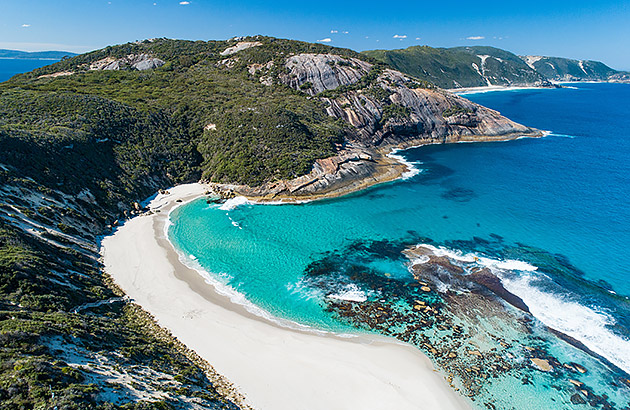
{"type": "Point", "coordinates": [558, 203]}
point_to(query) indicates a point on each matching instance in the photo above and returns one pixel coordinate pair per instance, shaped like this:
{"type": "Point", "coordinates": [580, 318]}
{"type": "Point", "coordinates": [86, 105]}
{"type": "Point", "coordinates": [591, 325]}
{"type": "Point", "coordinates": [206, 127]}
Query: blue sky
{"type": "Point", "coordinates": [598, 30]}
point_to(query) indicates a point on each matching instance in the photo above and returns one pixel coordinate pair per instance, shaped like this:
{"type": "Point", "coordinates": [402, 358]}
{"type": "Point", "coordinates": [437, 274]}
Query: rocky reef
{"type": "Point", "coordinates": [455, 309]}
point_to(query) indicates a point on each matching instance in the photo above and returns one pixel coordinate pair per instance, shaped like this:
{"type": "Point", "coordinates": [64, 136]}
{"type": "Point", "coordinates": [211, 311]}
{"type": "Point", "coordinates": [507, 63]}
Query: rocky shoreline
{"type": "Point", "coordinates": [350, 171]}
{"type": "Point", "coordinates": [383, 110]}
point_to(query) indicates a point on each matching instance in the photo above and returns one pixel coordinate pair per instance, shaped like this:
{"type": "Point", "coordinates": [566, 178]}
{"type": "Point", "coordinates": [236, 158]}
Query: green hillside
{"type": "Point", "coordinates": [564, 69]}
{"type": "Point", "coordinates": [460, 66]}
{"type": "Point", "coordinates": [129, 126]}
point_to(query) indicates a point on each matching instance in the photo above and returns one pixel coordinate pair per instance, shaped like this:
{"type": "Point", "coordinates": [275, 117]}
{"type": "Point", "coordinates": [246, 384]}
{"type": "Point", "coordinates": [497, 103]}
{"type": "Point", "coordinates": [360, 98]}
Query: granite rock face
{"type": "Point", "coordinates": [323, 72]}
{"type": "Point", "coordinates": [240, 46]}
{"type": "Point", "coordinates": [422, 113]}
{"type": "Point", "coordinates": [139, 62]}
{"type": "Point", "coordinates": [383, 109]}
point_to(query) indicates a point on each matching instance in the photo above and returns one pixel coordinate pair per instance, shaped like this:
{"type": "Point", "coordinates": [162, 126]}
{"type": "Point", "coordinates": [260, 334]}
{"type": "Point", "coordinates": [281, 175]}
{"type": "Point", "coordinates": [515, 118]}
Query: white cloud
{"type": "Point", "coordinates": [418, 38]}
{"type": "Point", "coordinates": [325, 40]}
{"type": "Point", "coordinates": [26, 25]}
{"type": "Point", "coordinates": [344, 32]}
{"type": "Point", "coordinates": [475, 38]}
{"type": "Point", "coordinates": [184, 3]}
{"type": "Point", "coordinates": [400, 36]}
{"type": "Point", "coordinates": [334, 31]}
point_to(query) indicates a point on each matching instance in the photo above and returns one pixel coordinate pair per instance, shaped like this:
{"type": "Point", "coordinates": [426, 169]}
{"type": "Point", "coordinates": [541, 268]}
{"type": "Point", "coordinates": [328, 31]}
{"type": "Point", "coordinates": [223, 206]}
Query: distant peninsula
{"type": "Point", "coordinates": [480, 66]}
{"type": "Point", "coordinates": [35, 55]}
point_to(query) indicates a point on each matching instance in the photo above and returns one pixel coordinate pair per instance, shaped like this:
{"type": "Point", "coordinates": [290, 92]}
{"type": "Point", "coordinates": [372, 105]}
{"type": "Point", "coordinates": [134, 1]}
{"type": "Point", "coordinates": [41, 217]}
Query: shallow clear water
{"type": "Point", "coordinates": [558, 203]}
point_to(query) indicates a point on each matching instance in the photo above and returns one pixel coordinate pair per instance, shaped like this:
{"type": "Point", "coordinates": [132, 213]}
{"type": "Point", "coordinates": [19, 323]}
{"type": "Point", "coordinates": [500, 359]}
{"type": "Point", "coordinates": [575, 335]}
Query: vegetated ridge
{"type": "Point", "coordinates": [85, 139]}
{"type": "Point", "coordinates": [479, 66]}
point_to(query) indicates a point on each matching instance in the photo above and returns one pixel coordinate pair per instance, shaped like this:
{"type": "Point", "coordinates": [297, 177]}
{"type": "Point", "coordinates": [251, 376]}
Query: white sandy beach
{"type": "Point", "coordinates": [491, 88]}
{"type": "Point", "coordinates": [275, 368]}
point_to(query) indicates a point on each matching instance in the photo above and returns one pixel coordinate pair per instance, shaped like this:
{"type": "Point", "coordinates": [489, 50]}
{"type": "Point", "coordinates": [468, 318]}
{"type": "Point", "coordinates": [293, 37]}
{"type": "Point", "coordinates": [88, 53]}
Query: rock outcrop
{"type": "Point", "coordinates": [384, 109]}
{"type": "Point", "coordinates": [139, 62]}
{"type": "Point", "coordinates": [314, 73]}
{"type": "Point", "coordinates": [240, 46]}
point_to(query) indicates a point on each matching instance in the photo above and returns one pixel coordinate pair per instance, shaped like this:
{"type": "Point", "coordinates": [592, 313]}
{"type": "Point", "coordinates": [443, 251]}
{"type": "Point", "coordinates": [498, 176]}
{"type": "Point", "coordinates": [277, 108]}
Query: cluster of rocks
{"type": "Point", "coordinates": [456, 326]}
{"type": "Point", "coordinates": [240, 46]}
{"type": "Point", "coordinates": [139, 62]}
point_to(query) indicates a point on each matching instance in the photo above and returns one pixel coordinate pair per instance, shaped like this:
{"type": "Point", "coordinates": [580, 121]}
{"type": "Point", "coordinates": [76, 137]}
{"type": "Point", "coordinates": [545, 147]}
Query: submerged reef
{"type": "Point", "coordinates": [454, 307]}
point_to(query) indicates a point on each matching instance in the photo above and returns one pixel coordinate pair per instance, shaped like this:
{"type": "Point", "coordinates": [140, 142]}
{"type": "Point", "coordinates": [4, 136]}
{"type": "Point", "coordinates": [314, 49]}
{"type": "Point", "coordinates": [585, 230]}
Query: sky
{"type": "Point", "coordinates": [594, 30]}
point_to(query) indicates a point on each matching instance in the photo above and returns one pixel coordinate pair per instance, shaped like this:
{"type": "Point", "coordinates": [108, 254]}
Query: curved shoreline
{"type": "Point", "coordinates": [383, 164]}
{"type": "Point", "coordinates": [273, 367]}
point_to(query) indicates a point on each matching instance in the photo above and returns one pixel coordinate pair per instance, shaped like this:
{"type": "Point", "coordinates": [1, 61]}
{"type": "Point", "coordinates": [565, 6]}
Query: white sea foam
{"type": "Point", "coordinates": [491, 89]}
{"type": "Point", "coordinates": [232, 203]}
{"type": "Point", "coordinates": [234, 223]}
{"type": "Point", "coordinates": [235, 202]}
{"type": "Point", "coordinates": [586, 324]}
{"type": "Point", "coordinates": [453, 254]}
{"type": "Point", "coordinates": [412, 169]}
{"type": "Point", "coordinates": [553, 134]}
{"type": "Point", "coordinates": [420, 260]}
{"type": "Point", "coordinates": [507, 264]}
{"type": "Point", "coordinates": [560, 312]}
{"type": "Point", "coordinates": [351, 293]}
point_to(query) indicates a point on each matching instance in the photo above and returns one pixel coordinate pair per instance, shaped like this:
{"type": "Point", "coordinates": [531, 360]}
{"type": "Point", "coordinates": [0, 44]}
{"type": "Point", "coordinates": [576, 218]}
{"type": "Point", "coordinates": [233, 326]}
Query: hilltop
{"type": "Point", "coordinates": [461, 67]}
{"type": "Point", "coordinates": [85, 140]}
{"type": "Point", "coordinates": [565, 69]}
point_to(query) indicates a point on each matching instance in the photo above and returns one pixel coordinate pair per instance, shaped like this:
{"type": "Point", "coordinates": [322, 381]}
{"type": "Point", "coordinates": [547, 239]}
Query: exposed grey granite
{"type": "Point", "coordinates": [430, 115]}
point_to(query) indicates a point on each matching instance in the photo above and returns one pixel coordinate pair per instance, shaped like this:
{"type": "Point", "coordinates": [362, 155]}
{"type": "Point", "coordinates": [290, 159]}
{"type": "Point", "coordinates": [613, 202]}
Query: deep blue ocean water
{"type": "Point", "coordinates": [559, 204]}
{"type": "Point", "coordinates": [10, 67]}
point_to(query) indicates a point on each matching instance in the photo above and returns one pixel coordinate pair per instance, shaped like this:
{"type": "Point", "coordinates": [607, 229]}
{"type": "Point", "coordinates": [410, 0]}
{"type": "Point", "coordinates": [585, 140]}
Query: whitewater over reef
{"type": "Point", "coordinates": [503, 262]}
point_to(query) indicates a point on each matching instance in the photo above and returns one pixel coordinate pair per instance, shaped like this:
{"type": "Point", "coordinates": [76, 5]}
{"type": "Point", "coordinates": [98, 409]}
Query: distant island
{"type": "Point", "coordinates": [35, 55]}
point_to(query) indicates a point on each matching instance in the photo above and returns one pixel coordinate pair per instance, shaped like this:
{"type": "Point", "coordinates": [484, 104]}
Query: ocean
{"type": "Point", "coordinates": [12, 66]}
{"type": "Point", "coordinates": [503, 262]}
